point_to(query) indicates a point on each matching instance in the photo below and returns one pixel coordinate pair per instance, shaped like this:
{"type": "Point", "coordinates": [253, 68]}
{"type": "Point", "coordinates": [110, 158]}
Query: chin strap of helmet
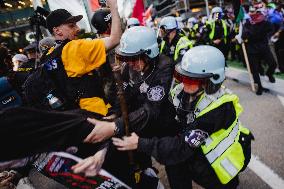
{"type": "Point", "coordinates": [212, 88]}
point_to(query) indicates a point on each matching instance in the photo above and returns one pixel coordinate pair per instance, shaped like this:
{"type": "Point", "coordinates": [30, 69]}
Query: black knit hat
{"type": "Point", "coordinates": [60, 16]}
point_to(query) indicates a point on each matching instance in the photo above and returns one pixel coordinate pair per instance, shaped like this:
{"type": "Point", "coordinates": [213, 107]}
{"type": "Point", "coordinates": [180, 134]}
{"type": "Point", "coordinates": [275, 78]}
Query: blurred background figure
{"type": "Point", "coordinates": [132, 22]}
{"type": "Point", "coordinates": [218, 30]}
{"type": "Point", "coordinates": [44, 45]}
{"type": "Point", "coordinates": [192, 28]}
{"type": "Point", "coordinates": [174, 44]}
{"type": "Point", "coordinates": [6, 64]}
{"type": "Point", "coordinates": [31, 53]}
{"type": "Point", "coordinates": [18, 60]}
{"type": "Point", "coordinates": [256, 33]}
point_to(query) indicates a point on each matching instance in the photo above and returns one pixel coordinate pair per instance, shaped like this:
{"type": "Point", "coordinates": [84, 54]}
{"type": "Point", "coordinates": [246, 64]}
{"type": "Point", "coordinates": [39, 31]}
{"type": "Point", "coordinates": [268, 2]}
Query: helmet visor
{"type": "Point", "coordinates": [188, 80]}
{"type": "Point", "coordinates": [126, 59]}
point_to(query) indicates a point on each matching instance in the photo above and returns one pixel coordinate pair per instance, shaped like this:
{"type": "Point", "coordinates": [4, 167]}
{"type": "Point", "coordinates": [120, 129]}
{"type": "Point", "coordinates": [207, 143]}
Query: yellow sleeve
{"type": "Point", "coordinates": [81, 56]}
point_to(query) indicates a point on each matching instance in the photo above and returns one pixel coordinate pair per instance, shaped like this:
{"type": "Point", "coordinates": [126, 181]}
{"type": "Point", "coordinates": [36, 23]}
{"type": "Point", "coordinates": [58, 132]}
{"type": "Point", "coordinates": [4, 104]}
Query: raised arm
{"type": "Point", "coordinates": [113, 39]}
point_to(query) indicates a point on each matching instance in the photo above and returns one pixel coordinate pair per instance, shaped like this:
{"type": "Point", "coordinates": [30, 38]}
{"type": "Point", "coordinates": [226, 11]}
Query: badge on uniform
{"type": "Point", "coordinates": [144, 87]}
{"type": "Point", "coordinates": [156, 93]}
{"type": "Point", "coordinates": [195, 137]}
{"type": "Point", "coordinates": [190, 117]}
{"type": "Point", "coordinates": [172, 49]}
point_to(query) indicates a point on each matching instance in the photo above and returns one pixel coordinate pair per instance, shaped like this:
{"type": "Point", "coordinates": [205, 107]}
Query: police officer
{"type": "Point", "coordinates": [192, 26]}
{"type": "Point", "coordinates": [218, 30]}
{"type": "Point", "coordinates": [132, 22]}
{"type": "Point", "coordinates": [72, 62]}
{"type": "Point", "coordinates": [174, 44]}
{"type": "Point", "coordinates": [213, 147]}
{"type": "Point", "coordinates": [147, 78]}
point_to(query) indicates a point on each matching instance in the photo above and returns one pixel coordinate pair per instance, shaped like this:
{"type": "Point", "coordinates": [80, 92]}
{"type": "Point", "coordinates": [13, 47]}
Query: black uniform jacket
{"type": "Point", "coordinates": [148, 105]}
{"type": "Point", "coordinates": [173, 150]}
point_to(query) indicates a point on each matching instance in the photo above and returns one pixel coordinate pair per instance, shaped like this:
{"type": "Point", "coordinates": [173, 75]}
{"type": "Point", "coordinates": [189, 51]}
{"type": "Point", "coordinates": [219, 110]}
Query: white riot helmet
{"type": "Point", "coordinates": [217, 13]}
{"type": "Point", "coordinates": [216, 10]}
{"type": "Point", "coordinates": [138, 40]}
{"type": "Point", "coordinates": [191, 21]}
{"type": "Point", "coordinates": [168, 23]}
{"type": "Point", "coordinates": [180, 22]}
{"type": "Point", "coordinates": [202, 62]}
{"type": "Point", "coordinates": [204, 19]}
{"type": "Point", "coordinates": [132, 22]}
{"type": "Point", "coordinates": [20, 58]}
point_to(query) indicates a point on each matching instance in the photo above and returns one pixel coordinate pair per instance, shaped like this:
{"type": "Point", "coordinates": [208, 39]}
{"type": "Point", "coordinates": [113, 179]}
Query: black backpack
{"type": "Point", "coordinates": [46, 86]}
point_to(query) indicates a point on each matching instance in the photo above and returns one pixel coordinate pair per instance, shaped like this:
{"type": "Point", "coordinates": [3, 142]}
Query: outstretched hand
{"type": "Point", "coordinates": [103, 130]}
{"type": "Point", "coordinates": [91, 165]}
{"type": "Point", "coordinates": [126, 143]}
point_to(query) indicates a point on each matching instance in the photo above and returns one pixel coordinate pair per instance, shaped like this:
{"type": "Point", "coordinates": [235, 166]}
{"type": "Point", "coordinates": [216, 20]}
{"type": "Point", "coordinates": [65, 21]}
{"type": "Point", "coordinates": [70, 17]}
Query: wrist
{"type": "Point", "coordinates": [116, 129]}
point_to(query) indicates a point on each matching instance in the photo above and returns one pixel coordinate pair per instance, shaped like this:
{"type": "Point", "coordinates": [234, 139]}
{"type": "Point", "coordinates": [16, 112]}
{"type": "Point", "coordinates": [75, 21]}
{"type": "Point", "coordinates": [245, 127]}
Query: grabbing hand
{"type": "Point", "coordinates": [102, 131]}
{"type": "Point", "coordinates": [6, 178]}
{"type": "Point", "coordinates": [91, 165]}
{"type": "Point", "coordinates": [126, 143]}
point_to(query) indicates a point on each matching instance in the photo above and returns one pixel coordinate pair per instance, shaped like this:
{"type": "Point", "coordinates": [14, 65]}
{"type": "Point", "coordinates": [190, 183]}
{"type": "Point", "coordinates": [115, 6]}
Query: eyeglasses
{"type": "Point", "coordinates": [187, 80]}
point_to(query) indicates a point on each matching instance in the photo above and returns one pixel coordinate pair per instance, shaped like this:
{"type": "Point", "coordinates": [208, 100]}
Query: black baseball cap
{"type": "Point", "coordinates": [101, 19]}
{"type": "Point", "coordinates": [60, 16]}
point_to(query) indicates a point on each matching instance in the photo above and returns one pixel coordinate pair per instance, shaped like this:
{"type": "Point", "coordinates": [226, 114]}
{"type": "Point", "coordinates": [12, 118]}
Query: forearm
{"type": "Point", "coordinates": [140, 118]}
{"type": "Point", "coordinates": [166, 150]}
{"type": "Point", "coordinates": [137, 121]}
{"type": "Point", "coordinates": [113, 39]}
{"type": "Point", "coordinates": [34, 131]}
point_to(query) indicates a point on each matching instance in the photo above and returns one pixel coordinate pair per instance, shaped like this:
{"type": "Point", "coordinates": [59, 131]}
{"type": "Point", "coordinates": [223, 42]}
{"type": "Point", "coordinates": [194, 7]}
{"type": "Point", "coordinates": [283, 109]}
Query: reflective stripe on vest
{"type": "Point", "coordinates": [223, 145]}
{"type": "Point", "coordinates": [162, 46]}
{"type": "Point", "coordinates": [212, 33]}
{"type": "Point", "coordinates": [183, 42]}
{"type": "Point", "coordinates": [222, 149]}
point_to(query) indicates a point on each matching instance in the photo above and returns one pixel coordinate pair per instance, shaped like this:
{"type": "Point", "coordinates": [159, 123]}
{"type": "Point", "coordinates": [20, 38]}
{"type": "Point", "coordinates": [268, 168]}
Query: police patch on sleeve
{"type": "Point", "coordinates": [156, 93]}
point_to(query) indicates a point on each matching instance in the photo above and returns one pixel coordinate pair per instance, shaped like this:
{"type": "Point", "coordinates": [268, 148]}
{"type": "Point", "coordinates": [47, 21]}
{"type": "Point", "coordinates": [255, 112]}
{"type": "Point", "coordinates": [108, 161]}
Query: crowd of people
{"type": "Point", "coordinates": [163, 84]}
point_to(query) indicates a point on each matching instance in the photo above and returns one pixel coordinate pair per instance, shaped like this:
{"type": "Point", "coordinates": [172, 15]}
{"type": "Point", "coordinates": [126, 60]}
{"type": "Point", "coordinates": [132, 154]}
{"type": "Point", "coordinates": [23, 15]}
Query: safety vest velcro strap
{"type": "Point", "coordinates": [223, 145]}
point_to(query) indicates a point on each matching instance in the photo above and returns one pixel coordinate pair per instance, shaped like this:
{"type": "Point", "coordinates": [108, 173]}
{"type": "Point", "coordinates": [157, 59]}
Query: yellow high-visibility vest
{"type": "Point", "coordinates": [183, 42]}
{"type": "Point", "coordinates": [212, 33]}
{"type": "Point", "coordinates": [222, 148]}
